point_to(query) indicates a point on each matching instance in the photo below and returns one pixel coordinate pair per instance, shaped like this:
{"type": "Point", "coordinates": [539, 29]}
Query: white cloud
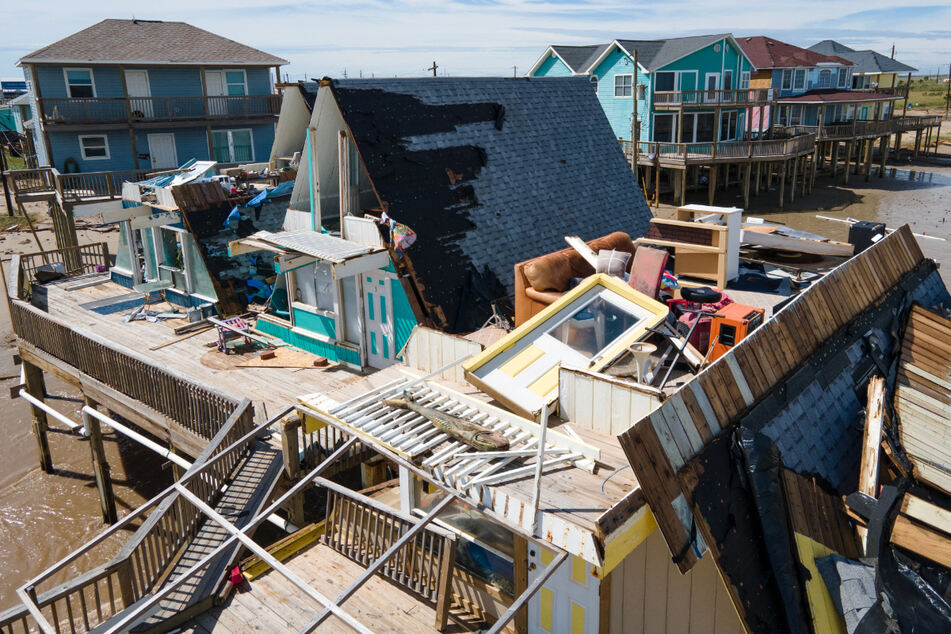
{"type": "Point", "coordinates": [489, 37]}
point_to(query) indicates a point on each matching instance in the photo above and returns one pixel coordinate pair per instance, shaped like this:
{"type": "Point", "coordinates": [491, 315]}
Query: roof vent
{"type": "Point", "coordinates": [136, 21]}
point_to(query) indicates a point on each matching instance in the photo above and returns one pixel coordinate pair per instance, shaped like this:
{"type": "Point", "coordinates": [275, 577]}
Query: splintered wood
{"type": "Point", "coordinates": [659, 445]}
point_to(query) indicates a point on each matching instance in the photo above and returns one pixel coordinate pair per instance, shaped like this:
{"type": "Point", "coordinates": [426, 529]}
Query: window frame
{"type": "Point", "coordinates": [673, 127]}
{"type": "Point", "coordinates": [797, 74]}
{"type": "Point", "coordinates": [666, 72]}
{"type": "Point", "coordinates": [744, 80]}
{"type": "Point", "coordinates": [623, 86]}
{"type": "Point", "coordinates": [229, 132]}
{"type": "Point", "coordinates": [727, 116]}
{"type": "Point", "coordinates": [244, 75]}
{"type": "Point", "coordinates": [796, 111]}
{"type": "Point", "coordinates": [787, 74]}
{"type": "Point", "coordinates": [82, 148]}
{"type": "Point", "coordinates": [827, 72]}
{"type": "Point", "coordinates": [842, 80]}
{"type": "Point", "coordinates": [92, 81]}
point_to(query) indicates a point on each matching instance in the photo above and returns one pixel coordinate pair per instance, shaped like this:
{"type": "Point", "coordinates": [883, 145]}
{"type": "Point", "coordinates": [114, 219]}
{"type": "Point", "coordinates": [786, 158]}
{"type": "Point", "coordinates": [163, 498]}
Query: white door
{"type": "Point", "coordinates": [137, 85]}
{"type": "Point", "coordinates": [216, 89]}
{"type": "Point", "coordinates": [162, 150]}
{"type": "Point", "coordinates": [569, 600]}
{"type": "Point", "coordinates": [378, 318]}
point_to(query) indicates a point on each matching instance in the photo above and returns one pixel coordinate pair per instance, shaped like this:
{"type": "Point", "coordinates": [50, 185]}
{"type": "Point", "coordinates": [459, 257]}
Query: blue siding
{"type": "Point", "coordinates": [52, 81]}
{"type": "Point", "coordinates": [552, 67]}
{"type": "Point", "coordinates": [258, 78]}
{"type": "Point", "coordinates": [65, 145]}
{"type": "Point", "coordinates": [620, 110]}
{"type": "Point", "coordinates": [174, 82]}
{"type": "Point", "coordinates": [262, 135]}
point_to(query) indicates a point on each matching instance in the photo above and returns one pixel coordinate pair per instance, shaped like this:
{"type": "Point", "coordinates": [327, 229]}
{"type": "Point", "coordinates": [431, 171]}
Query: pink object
{"type": "Point", "coordinates": [647, 271]}
{"type": "Point", "coordinates": [236, 577]}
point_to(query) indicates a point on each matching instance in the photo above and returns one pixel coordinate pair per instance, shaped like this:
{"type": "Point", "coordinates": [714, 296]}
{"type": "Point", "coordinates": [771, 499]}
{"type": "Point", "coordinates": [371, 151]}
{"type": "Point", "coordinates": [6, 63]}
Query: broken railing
{"type": "Point", "coordinates": [168, 523]}
{"type": "Point", "coordinates": [77, 260]}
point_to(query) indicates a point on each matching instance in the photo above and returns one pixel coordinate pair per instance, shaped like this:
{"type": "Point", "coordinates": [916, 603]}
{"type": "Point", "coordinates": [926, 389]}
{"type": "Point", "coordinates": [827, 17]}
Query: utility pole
{"type": "Point", "coordinates": [515, 71]}
{"type": "Point", "coordinates": [433, 68]}
{"type": "Point", "coordinates": [947, 97]}
{"type": "Point", "coordinates": [893, 50]}
{"type": "Point", "coordinates": [634, 126]}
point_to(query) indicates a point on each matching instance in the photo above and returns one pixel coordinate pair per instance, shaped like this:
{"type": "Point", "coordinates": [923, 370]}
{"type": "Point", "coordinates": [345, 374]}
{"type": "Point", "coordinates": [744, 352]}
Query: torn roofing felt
{"type": "Point", "coordinates": [489, 172]}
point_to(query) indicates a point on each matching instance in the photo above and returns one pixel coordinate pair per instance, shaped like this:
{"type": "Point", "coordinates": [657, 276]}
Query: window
{"type": "Point", "coordinates": [787, 79]}
{"type": "Point", "coordinates": [728, 84]}
{"type": "Point", "coordinates": [825, 78]}
{"type": "Point", "coordinates": [706, 127]}
{"type": "Point", "coordinates": [665, 81]}
{"type": "Point", "coordinates": [232, 146]}
{"type": "Point", "coordinates": [623, 85]}
{"type": "Point", "coordinates": [664, 125]}
{"type": "Point", "coordinates": [94, 148]}
{"type": "Point", "coordinates": [782, 117]}
{"type": "Point", "coordinates": [688, 129]}
{"type": "Point", "coordinates": [795, 115]}
{"type": "Point", "coordinates": [728, 126]}
{"type": "Point", "coordinates": [799, 79]}
{"type": "Point", "coordinates": [594, 82]}
{"type": "Point", "coordinates": [237, 82]}
{"type": "Point", "coordinates": [79, 83]}
{"type": "Point", "coordinates": [850, 112]}
{"type": "Point", "coordinates": [843, 77]}
{"type": "Point", "coordinates": [744, 80]}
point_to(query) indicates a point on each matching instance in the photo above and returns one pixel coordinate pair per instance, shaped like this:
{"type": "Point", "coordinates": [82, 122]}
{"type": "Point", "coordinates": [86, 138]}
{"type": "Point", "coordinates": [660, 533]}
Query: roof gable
{"type": "Point", "coordinates": [864, 62]}
{"type": "Point", "coordinates": [579, 58]}
{"type": "Point", "coordinates": [150, 41]}
{"type": "Point", "coordinates": [489, 172]}
{"type": "Point", "coordinates": [655, 54]}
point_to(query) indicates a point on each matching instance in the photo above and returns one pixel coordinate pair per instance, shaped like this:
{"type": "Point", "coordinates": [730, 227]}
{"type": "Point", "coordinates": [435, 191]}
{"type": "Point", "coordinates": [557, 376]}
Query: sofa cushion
{"type": "Point", "coordinates": [549, 273]}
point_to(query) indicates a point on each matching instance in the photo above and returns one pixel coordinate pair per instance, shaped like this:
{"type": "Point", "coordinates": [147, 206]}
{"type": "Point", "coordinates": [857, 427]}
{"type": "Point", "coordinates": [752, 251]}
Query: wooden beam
{"type": "Point", "coordinates": [520, 563]}
{"type": "Point", "coordinates": [923, 541]}
{"type": "Point", "coordinates": [926, 512]}
{"type": "Point", "coordinates": [528, 594]}
{"type": "Point", "coordinates": [107, 498]}
{"type": "Point", "coordinates": [36, 387]}
{"type": "Point", "coordinates": [871, 441]}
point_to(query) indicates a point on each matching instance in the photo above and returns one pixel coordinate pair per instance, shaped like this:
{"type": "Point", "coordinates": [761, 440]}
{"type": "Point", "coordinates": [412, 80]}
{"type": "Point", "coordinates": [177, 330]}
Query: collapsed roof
{"type": "Point", "coordinates": [489, 172]}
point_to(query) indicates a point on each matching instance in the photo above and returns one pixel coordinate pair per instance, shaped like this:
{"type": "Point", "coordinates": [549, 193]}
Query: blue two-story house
{"type": "Point", "coordinates": [147, 94]}
{"type": "Point", "coordinates": [689, 89]}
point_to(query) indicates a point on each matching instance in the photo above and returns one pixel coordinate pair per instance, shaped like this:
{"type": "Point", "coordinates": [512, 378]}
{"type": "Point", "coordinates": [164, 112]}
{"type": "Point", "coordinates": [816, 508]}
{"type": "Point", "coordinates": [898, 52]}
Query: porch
{"type": "Point", "coordinates": [143, 110]}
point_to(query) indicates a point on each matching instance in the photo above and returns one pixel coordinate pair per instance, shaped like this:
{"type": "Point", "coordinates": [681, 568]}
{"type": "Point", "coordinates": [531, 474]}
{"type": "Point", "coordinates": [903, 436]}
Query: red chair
{"type": "Point", "coordinates": [647, 270]}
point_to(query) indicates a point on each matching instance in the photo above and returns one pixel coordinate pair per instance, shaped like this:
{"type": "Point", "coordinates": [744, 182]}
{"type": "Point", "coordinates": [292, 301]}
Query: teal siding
{"type": "Point", "coordinates": [553, 67]}
{"type": "Point", "coordinates": [403, 318]}
{"type": "Point", "coordinates": [313, 322]}
{"type": "Point", "coordinates": [302, 341]}
{"type": "Point", "coordinates": [620, 110]}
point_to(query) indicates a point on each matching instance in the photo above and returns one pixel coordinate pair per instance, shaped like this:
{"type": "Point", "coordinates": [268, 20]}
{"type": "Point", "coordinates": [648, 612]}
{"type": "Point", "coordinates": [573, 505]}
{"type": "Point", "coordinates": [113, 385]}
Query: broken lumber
{"type": "Point", "coordinates": [182, 337]}
{"type": "Point", "coordinates": [467, 432]}
{"type": "Point", "coordinates": [926, 542]}
{"type": "Point", "coordinates": [871, 442]}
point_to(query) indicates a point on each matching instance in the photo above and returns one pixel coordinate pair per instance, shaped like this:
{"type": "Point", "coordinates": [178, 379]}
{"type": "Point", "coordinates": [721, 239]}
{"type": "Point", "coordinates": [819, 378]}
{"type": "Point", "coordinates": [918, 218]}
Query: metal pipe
{"type": "Point", "coordinates": [50, 411]}
{"type": "Point", "coordinates": [274, 518]}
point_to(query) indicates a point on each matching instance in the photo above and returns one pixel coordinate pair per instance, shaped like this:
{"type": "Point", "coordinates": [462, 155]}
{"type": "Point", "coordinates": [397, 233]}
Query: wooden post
{"type": "Point", "coordinates": [36, 387]}
{"type": "Point", "coordinates": [759, 169]}
{"type": "Point", "coordinates": [782, 183]}
{"type": "Point", "coordinates": [100, 466]}
{"type": "Point", "coordinates": [917, 144]}
{"type": "Point", "coordinates": [795, 172]}
{"type": "Point", "coordinates": [848, 159]}
{"type": "Point", "coordinates": [812, 179]}
{"type": "Point", "coordinates": [884, 152]}
{"type": "Point", "coordinates": [290, 448]}
{"type": "Point", "coordinates": [835, 157]}
{"type": "Point", "coordinates": [521, 580]}
{"type": "Point", "coordinates": [712, 184]}
{"type": "Point", "coordinates": [869, 149]}
{"type": "Point", "coordinates": [746, 185]}
{"type": "Point", "coordinates": [657, 181]}
{"type": "Point", "coordinates": [803, 174]}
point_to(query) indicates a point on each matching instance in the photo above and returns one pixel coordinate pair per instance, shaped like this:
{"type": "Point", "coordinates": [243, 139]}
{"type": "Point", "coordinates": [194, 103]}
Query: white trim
{"type": "Point", "coordinates": [706, 88]}
{"type": "Point", "coordinates": [607, 52]}
{"type": "Point", "coordinates": [144, 62]}
{"type": "Point", "coordinates": [673, 126]}
{"type": "Point", "coordinates": [82, 149]}
{"type": "Point", "coordinates": [745, 77]}
{"type": "Point", "coordinates": [551, 51]}
{"type": "Point", "coordinates": [244, 74]}
{"type": "Point", "coordinates": [617, 96]}
{"type": "Point", "coordinates": [231, 142]}
{"type": "Point", "coordinates": [92, 81]}
{"type": "Point", "coordinates": [805, 78]}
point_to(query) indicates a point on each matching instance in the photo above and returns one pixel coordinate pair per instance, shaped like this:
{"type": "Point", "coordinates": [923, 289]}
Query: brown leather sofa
{"type": "Point", "coordinates": [542, 280]}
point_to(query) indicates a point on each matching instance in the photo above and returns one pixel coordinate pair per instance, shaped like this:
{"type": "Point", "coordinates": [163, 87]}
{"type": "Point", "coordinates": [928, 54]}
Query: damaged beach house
{"type": "Point", "coordinates": [477, 387]}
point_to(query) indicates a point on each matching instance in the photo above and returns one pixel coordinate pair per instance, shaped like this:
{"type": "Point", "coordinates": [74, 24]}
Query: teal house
{"type": "Point", "coordinates": [689, 89]}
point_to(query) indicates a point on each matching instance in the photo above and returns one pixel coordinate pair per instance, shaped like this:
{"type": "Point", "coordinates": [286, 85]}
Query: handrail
{"type": "Point", "coordinates": [76, 260]}
{"type": "Point", "coordinates": [769, 148]}
{"type": "Point", "coordinates": [103, 591]}
{"type": "Point", "coordinates": [700, 98]}
{"type": "Point", "coordinates": [58, 110]}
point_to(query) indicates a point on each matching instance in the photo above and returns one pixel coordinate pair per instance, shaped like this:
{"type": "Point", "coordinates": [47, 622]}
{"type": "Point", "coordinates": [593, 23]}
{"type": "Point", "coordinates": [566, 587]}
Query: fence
{"type": "Point", "coordinates": [705, 98]}
{"type": "Point", "coordinates": [85, 185]}
{"type": "Point", "coordinates": [776, 149]}
{"type": "Point", "coordinates": [93, 597]}
{"type": "Point", "coordinates": [78, 260]}
{"type": "Point", "coordinates": [31, 181]}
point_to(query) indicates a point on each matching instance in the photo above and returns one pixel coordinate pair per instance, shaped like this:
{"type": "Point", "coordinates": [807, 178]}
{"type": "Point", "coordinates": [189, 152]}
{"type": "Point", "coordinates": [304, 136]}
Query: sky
{"type": "Point", "coordinates": [491, 37]}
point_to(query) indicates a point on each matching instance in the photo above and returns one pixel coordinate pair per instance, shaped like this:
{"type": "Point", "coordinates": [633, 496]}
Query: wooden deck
{"type": "Point", "coordinates": [271, 603]}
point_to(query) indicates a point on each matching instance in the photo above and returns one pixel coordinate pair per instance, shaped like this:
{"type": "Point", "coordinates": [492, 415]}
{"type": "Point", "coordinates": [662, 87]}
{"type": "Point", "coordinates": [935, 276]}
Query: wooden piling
{"type": "Point", "coordinates": [746, 185]}
{"type": "Point", "coordinates": [759, 169]}
{"type": "Point", "coordinates": [883, 150]}
{"type": "Point", "coordinates": [36, 387]}
{"type": "Point", "coordinates": [683, 186]}
{"type": "Point", "coordinates": [848, 160]}
{"type": "Point", "coordinates": [835, 157]}
{"type": "Point", "coordinates": [782, 184]}
{"type": "Point", "coordinates": [795, 170]}
{"type": "Point", "coordinates": [712, 184]}
{"type": "Point", "coordinates": [100, 466]}
{"type": "Point", "coordinates": [657, 183]}
{"type": "Point", "coordinates": [869, 150]}
{"type": "Point", "coordinates": [290, 448]}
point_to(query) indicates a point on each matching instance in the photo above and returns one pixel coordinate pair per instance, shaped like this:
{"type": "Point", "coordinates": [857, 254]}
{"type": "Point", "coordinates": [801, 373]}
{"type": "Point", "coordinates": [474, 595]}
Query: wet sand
{"type": "Point", "coordinates": [45, 516]}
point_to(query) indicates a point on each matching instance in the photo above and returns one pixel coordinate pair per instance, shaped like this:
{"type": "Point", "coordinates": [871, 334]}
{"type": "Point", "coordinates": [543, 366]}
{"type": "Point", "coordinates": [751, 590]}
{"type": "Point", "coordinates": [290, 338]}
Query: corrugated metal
{"type": "Point", "coordinates": [320, 245]}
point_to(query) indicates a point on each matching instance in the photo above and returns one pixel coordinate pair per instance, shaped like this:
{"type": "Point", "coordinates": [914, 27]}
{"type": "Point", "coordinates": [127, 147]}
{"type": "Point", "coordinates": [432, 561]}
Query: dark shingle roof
{"type": "Point", "coordinates": [489, 172]}
{"type": "Point", "coordinates": [864, 62]}
{"type": "Point", "coordinates": [150, 41]}
{"type": "Point", "coordinates": [579, 58]}
{"type": "Point", "coordinates": [766, 52]}
{"type": "Point", "coordinates": [654, 54]}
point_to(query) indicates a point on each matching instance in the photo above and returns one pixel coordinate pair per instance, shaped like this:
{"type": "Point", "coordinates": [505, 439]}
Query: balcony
{"type": "Point", "coordinates": [675, 99]}
{"type": "Point", "coordinates": [133, 110]}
